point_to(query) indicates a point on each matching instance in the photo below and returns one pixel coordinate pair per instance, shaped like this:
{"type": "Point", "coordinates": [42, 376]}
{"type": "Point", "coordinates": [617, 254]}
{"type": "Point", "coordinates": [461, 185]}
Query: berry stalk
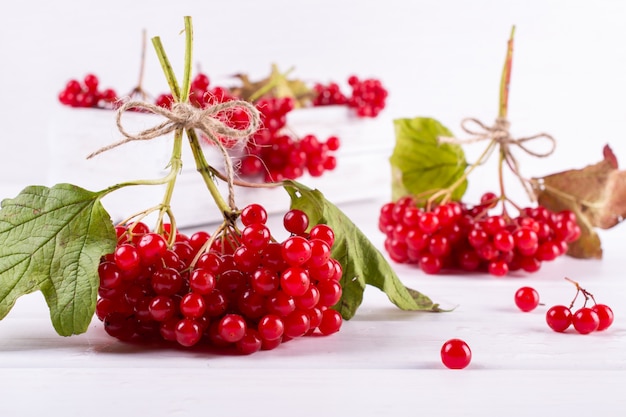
{"type": "Point", "coordinates": [504, 152]}
{"type": "Point", "coordinates": [180, 95]}
{"type": "Point", "coordinates": [205, 170]}
{"type": "Point", "coordinates": [506, 78]}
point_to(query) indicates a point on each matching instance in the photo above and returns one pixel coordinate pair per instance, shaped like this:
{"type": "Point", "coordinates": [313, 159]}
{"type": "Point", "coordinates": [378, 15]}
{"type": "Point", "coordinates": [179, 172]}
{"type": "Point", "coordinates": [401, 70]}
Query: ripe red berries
{"type": "Point", "coordinates": [585, 320]}
{"type": "Point", "coordinates": [238, 289]}
{"type": "Point", "coordinates": [453, 236]}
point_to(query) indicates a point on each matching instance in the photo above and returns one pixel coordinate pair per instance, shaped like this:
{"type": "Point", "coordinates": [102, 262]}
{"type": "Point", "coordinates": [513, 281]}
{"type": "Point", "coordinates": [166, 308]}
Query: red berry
{"type": "Point", "coordinates": [151, 247]}
{"type": "Point", "coordinates": [188, 332]}
{"type": "Point", "coordinates": [91, 82]}
{"type": "Point", "coordinates": [253, 213]}
{"type": "Point", "coordinates": [280, 304]}
{"type": "Point", "coordinates": [333, 143]}
{"type": "Point", "coordinates": [297, 324]}
{"type": "Point", "coordinates": [231, 327]}
{"type": "Point", "coordinates": [110, 275]}
{"type": "Point", "coordinates": [526, 299]}
{"type": "Point", "coordinates": [585, 320]}
{"type": "Point", "coordinates": [161, 308]}
{"type": "Point", "coordinates": [295, 281]}
{"type": "Point", "coordinates": [255, 236]}
{"type": "Point", "coordinates": [456, 354]}
{"type": "Point", "coordinates": [323, 232]}
{"type": "Point", "coordinates": [559, 318]}
{"type": "Point", "coordinates": [296, 250]}
{"type": "Point", "coordinates": [330, 292]}
{"type": "Point", "coordinates": [126, 257]}
{"type": "Point", "coordinates": [192, 305]}
{"type": "Point", "coordinates": [605, 314]}
{"type": "Point", "coordinates": [198, 239]}
{"type": "Point", "coordinates": [296, 221]}
{"type": "Point", "coordinates": [498, 268]}
{"type": "Point", "coordinates": [250, 342]}
{"type": "Point", "coordinates": [430, 264]}
{"type": "Point", "coordinates": [331, 322]}
{"type": "Point", "coordinates": [201, 281]}
{"type": "Point", "coordinates": [201, 82]}
{"type": "Point", "coordinates": [271, 327]}
{"type": "Point", "coordinates": [120, 326]}
{"type": "Point", "coordinates": [166, 281]}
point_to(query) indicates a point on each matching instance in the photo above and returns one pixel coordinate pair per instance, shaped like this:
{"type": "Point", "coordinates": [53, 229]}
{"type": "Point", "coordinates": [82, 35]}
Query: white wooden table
{"type": "Point", "coordinates": [383, 362]}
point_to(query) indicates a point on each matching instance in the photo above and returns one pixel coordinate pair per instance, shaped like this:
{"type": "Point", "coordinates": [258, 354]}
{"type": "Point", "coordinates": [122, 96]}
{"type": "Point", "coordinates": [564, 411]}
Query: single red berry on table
{"type": "Point", "coordinates": [456, 354]}
{"type": "Point", "coordinates": [526, 299]}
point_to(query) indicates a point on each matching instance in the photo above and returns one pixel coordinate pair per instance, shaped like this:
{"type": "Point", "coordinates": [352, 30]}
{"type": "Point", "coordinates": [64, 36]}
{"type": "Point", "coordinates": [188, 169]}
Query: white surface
{"type": "Point", "coordinates": [382, 362]}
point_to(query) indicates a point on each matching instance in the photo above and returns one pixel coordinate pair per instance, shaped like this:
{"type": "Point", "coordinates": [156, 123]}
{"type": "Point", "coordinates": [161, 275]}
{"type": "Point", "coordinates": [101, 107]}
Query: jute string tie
{"type": "Point", "coordinates": [500, 134]}
{"type": "Point", "coordinates": [185, 116]}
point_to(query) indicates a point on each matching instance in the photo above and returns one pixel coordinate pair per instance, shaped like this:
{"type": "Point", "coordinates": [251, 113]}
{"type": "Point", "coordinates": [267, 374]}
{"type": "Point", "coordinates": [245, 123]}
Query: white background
{"type": "Point", "coordinates": [437, 58]}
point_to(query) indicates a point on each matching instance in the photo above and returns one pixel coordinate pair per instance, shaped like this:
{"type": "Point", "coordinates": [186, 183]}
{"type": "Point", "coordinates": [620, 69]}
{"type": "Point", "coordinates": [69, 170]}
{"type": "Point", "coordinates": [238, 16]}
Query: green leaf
{"type": "Point", "coordinates": [362, 263]}
{"type": "Point", "coordinates": [51, 239]}
{"type": "Point", "coordinates": [420, 163]}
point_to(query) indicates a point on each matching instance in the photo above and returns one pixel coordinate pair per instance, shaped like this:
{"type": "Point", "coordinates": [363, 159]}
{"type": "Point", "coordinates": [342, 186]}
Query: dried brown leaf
{"type": "Point", "coordinates": [596, 194]}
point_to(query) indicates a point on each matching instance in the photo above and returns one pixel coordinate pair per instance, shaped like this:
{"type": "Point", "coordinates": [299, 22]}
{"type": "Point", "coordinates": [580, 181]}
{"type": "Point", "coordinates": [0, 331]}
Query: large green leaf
{"type": "Point", "coordinates": [51, 239]}
{"type": "Point", "coordinates": [362, 263]}
{"type": "Point", "coordinates": [420, 163]}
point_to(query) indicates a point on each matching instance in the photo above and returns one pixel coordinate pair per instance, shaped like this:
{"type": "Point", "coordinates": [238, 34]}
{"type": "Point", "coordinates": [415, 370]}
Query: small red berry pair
{"type": "Point", "coordinates": [560, 317]}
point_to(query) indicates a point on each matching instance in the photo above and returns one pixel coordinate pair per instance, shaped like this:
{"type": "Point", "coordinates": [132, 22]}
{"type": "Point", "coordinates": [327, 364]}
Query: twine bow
{"type": "Point", "coordinates": [499, 133]}
{"type": "Point", "coordinates": [185, 116]}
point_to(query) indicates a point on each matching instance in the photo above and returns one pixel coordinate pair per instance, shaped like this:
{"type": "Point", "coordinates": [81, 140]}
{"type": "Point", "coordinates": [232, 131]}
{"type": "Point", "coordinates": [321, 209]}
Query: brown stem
{"type": "Point", "coordinates": [579, 290]}
{"type": "Point", "coordinates": [506, 78]}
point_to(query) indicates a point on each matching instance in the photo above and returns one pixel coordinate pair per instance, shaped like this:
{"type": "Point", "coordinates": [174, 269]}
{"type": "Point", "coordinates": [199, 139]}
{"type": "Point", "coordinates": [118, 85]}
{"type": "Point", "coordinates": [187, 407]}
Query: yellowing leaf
{"type": "Point", "coordinates": [277, 84]}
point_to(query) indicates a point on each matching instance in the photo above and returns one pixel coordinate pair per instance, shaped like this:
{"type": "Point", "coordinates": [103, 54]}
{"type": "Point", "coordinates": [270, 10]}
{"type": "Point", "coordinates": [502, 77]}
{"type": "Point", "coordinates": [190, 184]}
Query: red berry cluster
{"type": "Point", "coordinates": [238, 289]}
{"type": "Point", "coordinates": [585, 319]}
{"type": "Point", "coordinates": [454, 236]}
{"type": "Point", "coordinates": [278, 154]}
{"type": "Point", "coordinates": [328, 95]}
{"type": "Point", "coordinates": [368, 97]}
{"type": "Point", "coordinates": [86, 93]}
{"type": "Point", "coordinates": [272, 152]}
{"type": "Point", "coordinates": [201, 94]}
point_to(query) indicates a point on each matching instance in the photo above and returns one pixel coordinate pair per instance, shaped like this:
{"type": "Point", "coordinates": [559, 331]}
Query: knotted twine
{"type": "Point", "coordinates": [185, 116]}
{"type": "Point", "coordinates": [499, 133]}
